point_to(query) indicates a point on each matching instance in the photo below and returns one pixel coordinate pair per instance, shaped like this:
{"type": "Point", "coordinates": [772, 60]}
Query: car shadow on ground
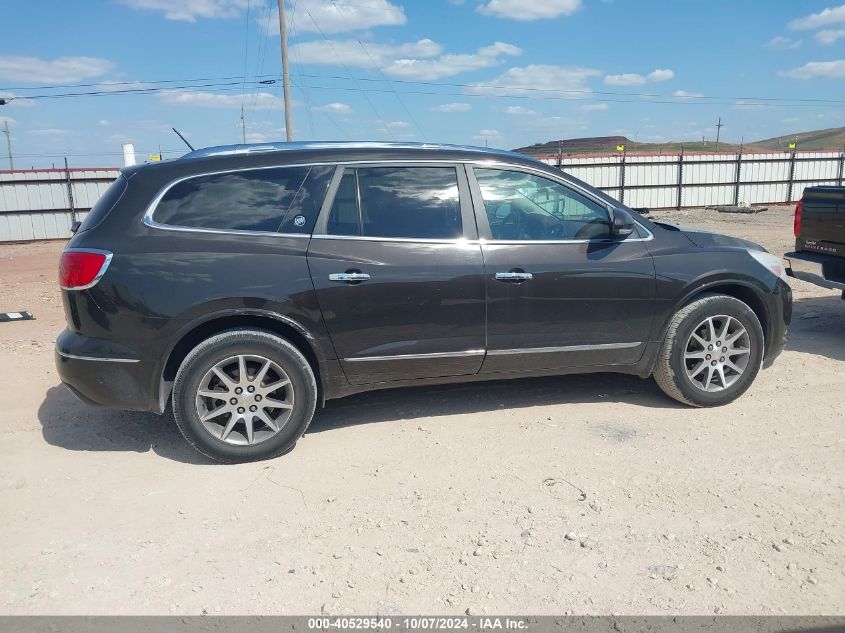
{"type": "Point", "coordinates": [75, 426]}
{"type": "Point", "coordinates": [478, 397]}
{"type": "Point", "coordinates": [818, 327]}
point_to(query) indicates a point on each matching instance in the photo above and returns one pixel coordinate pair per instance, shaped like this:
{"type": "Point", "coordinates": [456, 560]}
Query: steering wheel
{"type": "Point", "coordinates": [511, 225]}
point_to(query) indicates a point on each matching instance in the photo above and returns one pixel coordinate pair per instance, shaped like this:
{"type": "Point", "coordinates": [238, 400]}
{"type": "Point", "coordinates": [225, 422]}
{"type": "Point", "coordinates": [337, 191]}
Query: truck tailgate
{"type": "Point", "coordinates": [823, 221]}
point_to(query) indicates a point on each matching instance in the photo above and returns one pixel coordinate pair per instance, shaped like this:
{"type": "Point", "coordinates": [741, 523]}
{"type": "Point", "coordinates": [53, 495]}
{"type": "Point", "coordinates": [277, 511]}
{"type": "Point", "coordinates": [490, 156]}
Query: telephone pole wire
{"type": "Point", "coordinates": [285, 72]}
{"type": "Point", "coordinates": [8, 143]}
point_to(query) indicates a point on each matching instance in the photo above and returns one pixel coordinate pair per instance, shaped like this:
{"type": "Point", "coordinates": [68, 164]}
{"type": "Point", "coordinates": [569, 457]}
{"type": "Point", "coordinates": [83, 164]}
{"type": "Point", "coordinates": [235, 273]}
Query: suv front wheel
{"type": "Point", "coordinates": [244, 395]}
{"type": "Point", "coordinates": [712, 351]}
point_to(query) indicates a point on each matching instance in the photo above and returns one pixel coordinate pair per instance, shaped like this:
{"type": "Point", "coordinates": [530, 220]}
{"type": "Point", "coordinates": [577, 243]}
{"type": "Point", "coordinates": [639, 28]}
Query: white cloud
{"type": "Point", "coordinates": [527, 80]}
{"type": "Point", "coordinates": [831, 15]}
{"type": "Point", "coordinates": [686, 94]}
{"type": "Point", "coordinates": [491, 135]}
{"type": "Point", "coordinates": [397, 125]}
{"type": "Point", "coordinates": [748, 105]}
{"type": "Point", "coordinates": [625, 79]}
{"type": "Point", "coordinates": [449, 65]}
{"type": "Point", "coordinates": [56, 71]}
{"type": "Point", "coordinates": [339, 17]}
{"type": "Point", "coordinates": [353, 54]}
{"type": "Point", "coordinates": [781, 42]}
{"type": "Point", "coordinates": [595, 107]}
{"type": "Point", "coordinates": [422, 60]}
{"type": "Point", "coordinates": [829, 36]}
{"type": "Point", "coordinates": [660, 74]}
{"type": "Point", "coordinates": [528, 10]}
{"type": "Point", "coordinates": [190, 10]}
{"type": "Point", "coordinates": [335, 108]}
{"type": "Point", "coordinates": [635, 79]}
{"type": "Point", "coordinates": [52, 132]}
{"type": "Point", "coordinates": [519, 111]}
{"type": "Point", "coordinates": [216, 100]}
{"type": "Point", "coordinates": [452, 107]}
{"type": "Point", "coordinates": [810, 70]}
{"type": "Point", "coordinates": [103, 123]}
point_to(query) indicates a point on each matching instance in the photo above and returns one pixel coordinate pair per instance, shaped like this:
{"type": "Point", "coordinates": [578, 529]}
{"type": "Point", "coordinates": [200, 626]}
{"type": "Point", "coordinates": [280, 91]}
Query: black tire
{"type": "Point", "coordinates": [670, 370]}
{"type": "Point", "coordinates": [222, 346]}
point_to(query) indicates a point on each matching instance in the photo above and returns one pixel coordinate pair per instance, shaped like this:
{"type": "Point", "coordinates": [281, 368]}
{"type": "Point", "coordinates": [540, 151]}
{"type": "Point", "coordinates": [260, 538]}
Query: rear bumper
{"type": "Point", "coordinates": [102, 373]}
{"type": "Point", "coordinates": [821, 270]}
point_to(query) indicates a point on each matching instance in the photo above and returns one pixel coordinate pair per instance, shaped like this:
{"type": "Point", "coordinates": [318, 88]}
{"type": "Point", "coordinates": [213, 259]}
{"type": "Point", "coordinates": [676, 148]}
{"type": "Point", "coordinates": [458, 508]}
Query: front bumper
{"type": "Point", "coordinates": [822, 270]}
{"type": "Point", "coordinates": [780, 315]}
{"type": "Point", "coordinates": [102, 373]}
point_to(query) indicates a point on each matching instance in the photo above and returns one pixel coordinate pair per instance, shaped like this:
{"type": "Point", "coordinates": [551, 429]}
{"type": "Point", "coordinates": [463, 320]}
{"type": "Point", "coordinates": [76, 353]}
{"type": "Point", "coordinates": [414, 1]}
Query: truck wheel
{"type": "Point", "coordinates": [712, 351]}
{"type": "Point", "coordinates": [244, 395]}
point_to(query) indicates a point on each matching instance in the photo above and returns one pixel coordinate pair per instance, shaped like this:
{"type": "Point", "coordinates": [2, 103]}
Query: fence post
{"type": "Point", "coordinates": [841, 166]}
{"type": "Point", "coordinates": [738, 173]}
{"type": "Point", "coordinates": [680, 178]}
{"type": "Point", "coordinates": [622, 178]}
{"type": "Point", "coordinates": [791, 176]}
{"type": "Point", "coordinates": [70, 193]}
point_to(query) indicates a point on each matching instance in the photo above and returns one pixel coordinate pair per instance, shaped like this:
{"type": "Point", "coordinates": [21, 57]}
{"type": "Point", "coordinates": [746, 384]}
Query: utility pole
{"type": "Point", "coordinates": [283, 31]}
{"type": "Point", "coordinates": [718, 130]}
{"type": "Point", "coordinates": [243, 124]}
{"type": "Point", "coordinates": [8, 143]}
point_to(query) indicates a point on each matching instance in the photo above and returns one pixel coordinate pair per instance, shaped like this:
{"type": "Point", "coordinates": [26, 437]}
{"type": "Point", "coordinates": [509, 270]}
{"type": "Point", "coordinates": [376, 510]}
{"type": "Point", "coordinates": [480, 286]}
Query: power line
{"type": "Point", "coordinates": [351, 76]}
{"type": "Point", "coordinates": [476, 86]}
{"type": "Point", "coordinates": [398, 98]}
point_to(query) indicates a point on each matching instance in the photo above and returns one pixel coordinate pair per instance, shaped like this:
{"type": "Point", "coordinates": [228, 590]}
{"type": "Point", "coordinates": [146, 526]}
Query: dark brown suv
{"type": "Point", "coordinates": [246, 285]}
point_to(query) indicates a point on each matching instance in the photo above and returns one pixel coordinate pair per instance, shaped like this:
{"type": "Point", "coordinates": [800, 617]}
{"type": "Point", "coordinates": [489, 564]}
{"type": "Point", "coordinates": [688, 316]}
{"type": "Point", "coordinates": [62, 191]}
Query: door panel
{"type": "Point", "coordinates": [561, 290]}
{"type": "Point", "coordinates": [585, 304]}
{"type": "Point", "coordinates": [419, 315]}
{"type": "Point", "coordinates": [398, 272]}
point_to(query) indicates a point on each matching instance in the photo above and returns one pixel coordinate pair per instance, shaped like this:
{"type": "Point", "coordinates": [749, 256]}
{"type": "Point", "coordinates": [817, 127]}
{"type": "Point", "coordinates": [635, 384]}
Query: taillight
{"type": "Point", "coordinates": [82, 268]}
{"type": "Point", "coordinates": [796, 222]}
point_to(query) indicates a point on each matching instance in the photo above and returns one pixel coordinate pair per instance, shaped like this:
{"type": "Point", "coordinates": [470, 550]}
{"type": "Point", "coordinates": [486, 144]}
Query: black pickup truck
{"type": "Point", "coordinates": [819, 255]}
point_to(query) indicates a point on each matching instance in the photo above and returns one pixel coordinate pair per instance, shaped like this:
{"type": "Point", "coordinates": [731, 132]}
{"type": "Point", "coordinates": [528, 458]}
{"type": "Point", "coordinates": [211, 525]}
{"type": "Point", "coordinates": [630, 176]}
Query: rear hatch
{"type": "Point", "coordinates": [822, 221]}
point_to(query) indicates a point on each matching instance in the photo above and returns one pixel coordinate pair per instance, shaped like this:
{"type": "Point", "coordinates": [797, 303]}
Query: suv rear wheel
{"type": "Point", "coordinates": [712, 351]}
{"type": "Point", "coordinates": [244, 395]}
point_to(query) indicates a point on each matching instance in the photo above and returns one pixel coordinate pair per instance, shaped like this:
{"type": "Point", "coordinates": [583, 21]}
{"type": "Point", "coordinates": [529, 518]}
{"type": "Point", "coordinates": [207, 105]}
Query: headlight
{"type": "Point", "coordinates": [771, 262]}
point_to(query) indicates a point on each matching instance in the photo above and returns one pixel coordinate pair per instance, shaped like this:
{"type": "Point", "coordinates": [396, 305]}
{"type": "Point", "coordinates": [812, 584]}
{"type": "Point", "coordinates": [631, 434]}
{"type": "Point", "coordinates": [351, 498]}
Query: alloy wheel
{"type": "Point", "coordinates": [717, 353]}
{"type": "Point", "coordinates": [244, 399]}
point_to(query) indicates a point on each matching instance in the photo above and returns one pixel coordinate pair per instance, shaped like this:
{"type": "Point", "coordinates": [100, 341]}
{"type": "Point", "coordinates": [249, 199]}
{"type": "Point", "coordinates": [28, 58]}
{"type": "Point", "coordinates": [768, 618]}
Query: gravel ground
{"type": "Point", "coordinates": [584, 494]}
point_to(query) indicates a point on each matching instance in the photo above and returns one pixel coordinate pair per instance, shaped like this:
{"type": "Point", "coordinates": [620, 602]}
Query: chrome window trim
{"type": "Point", "coordinates": [97, 358]}
{"type": "Point", "coordinates": [149, 221]}
{"type": "Point", "coordinates": [469, 352]}
{"type": "Point", "coordinates": [416, 240]}
{"type": "Point", "coordinates": [563, 348]}
{"type": "Point", "coordinates": [103, 268]}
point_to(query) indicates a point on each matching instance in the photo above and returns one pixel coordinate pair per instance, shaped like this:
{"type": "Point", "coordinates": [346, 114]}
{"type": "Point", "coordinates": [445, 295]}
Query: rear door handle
{"type": "Point", "coordinates": [514, 276]}
{"type": "Point", "coordinates": [349, 277]}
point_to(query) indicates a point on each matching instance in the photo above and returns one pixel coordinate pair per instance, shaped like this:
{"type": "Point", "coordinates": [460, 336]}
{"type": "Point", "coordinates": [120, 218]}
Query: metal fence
{"type": "Point", "coordinates": [698, 180]}
{"type": "Point", "coordinates": [42, 204]}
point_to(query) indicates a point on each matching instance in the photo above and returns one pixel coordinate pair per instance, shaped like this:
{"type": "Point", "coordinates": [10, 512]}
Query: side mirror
{"type": "Point", "coordinates": [623, 223]}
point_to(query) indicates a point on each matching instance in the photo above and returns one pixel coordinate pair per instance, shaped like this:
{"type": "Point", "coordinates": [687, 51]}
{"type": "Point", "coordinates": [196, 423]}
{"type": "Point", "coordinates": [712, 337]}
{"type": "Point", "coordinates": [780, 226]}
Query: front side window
{"type": "Point", "coordinates": [406, 202]}
{"type": "Point", "coordinates": [285, 199]}
{"type": "Point", "coordinates": [523, 206]}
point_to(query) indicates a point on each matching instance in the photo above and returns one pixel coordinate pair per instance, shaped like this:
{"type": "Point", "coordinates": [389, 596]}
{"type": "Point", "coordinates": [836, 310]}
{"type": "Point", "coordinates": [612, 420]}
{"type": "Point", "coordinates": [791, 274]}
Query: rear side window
{"type": "Point", "coordinates": [285, 199]}
{"type": "Point", "coordinates": [407, 202]}
{"type": "Point", "coordinates": [105, 204]}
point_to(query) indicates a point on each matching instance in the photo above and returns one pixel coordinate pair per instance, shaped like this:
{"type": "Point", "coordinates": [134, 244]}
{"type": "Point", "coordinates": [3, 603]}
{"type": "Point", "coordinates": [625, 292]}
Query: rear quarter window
{"type": "Point", "coordinates": [105, 204]}
{"type": "Point", "coordinates": [285, 199]}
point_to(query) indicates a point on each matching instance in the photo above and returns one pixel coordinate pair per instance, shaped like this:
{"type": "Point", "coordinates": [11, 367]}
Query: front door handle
{"type": "Point", "coordinates": [349, 277]}
{"type": "Point", "coordinates": [514, 276]}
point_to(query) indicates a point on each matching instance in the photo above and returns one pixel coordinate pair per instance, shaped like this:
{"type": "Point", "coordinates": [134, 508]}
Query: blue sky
{"type": "Point", "coordinates": [505, 72]}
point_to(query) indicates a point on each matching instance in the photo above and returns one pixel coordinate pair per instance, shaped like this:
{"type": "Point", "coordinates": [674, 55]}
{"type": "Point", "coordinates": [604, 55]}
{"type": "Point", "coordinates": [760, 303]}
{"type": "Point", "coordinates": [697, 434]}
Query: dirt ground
{"type": "Point", "coordinates": [587, 494]}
